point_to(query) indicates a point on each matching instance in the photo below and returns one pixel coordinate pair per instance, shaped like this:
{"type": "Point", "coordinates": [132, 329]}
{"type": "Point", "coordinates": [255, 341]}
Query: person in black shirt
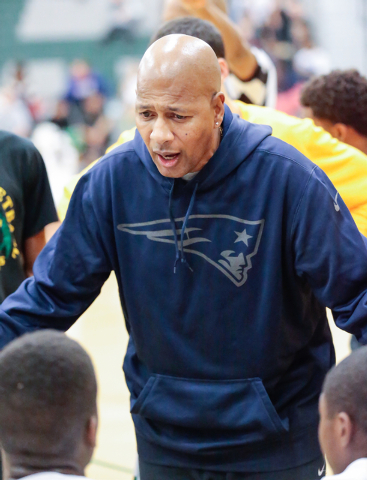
{"type": "Point", "coordinates": [26, 207]}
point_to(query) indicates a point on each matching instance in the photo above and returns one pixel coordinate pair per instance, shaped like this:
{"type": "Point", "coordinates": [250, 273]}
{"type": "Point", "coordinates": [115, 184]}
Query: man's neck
{"type": "Point", "coordinates": [362, 144]}
{"type": "Point", "coordinates": [15, 468]}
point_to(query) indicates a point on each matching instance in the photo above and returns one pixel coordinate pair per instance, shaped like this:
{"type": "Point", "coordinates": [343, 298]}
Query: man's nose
{"type": "Point", "coordinates": [161, 132]}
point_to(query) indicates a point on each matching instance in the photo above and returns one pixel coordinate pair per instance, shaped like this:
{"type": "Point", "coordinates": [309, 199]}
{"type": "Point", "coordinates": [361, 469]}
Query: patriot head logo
{"type": "Point", "coordinates": [228, 243]}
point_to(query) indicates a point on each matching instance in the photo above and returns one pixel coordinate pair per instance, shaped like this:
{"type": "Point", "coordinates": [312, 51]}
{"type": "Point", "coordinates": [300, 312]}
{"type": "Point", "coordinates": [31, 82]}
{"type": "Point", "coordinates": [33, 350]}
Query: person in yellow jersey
{"type": "Point", "coordinates": [345, 166]}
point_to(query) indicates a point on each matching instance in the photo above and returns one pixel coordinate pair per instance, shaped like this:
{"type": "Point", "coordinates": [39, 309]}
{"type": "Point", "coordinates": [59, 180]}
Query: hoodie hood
{"type": "Point", "coordinates": [240, 139]}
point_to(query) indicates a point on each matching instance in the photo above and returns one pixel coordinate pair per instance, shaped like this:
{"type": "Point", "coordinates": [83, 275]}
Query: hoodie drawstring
{"type": "Point", "coordinates": [180, 251]}
{"type": "Point", "coordinates": [187, 216]}
{"type": "Point", "coordinates": [173, 225]}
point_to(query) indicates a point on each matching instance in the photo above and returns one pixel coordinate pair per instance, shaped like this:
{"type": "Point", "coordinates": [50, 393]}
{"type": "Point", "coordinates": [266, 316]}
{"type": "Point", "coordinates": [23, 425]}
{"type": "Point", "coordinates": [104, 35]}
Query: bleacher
{"type": "Point", "coordinates": [19, 40]}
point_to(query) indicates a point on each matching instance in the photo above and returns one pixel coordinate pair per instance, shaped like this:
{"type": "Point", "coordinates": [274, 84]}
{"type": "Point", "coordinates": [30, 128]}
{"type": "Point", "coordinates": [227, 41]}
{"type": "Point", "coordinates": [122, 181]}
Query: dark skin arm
{"type": "Point", "coordinates": [32, 247]}
{"type": "Point", "coordinates": [241, 60]}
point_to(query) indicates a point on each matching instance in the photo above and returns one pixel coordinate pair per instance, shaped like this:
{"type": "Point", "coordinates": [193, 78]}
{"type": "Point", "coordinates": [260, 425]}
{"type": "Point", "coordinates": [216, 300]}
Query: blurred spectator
{"type": "Point", "coordinates": [60, 155]}
{"type": "Point", "coordinates": [83, 82]}
{"type": "Point", "coordinates": [282, 31]}
{"type": "Point", "coordinates": [83, 115]}
{"type": "Point", "coordinates": [15, 116]}
{"type": "Point", "coordinates": [276, 39]}
{"type": "Point", "coordinates": [61, 114]}
{"type": "Point", "coordinates": [309, 60]}
{"type": "Point", "coordinates": [97, 127]}
{"type": "Point", "coordinates": [124, 20]}
{"type": "Point", "coordinates": [17, 79]}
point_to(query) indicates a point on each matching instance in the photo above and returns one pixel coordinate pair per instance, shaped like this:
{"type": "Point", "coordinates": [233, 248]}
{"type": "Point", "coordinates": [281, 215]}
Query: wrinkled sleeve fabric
{"type": "Point", "coordinates": [68, 274]}
{"type": "Point", "coordinates": [331, 254]}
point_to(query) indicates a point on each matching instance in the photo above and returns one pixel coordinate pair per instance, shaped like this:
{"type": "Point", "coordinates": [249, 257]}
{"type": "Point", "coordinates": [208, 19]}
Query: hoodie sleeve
{"type": "Point", "coordinates": [331, 254]}
{"type": "Point", "coordinates": [68, 274]}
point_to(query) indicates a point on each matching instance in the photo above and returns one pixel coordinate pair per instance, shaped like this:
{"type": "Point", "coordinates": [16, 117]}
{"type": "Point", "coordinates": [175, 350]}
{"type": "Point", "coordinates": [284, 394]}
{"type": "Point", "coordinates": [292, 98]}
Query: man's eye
{"type": "Point", "coordinates": [180, 117]}
{"type": "Point", "coordinates": [145, 114]}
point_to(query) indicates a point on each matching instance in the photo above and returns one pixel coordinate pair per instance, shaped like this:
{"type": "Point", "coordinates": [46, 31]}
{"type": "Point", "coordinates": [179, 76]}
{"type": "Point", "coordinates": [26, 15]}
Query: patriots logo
{"type": "Point", "coordinates": [226, 242]}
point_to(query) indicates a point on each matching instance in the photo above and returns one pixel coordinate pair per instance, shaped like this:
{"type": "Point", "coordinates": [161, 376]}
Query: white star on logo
{"type": "Point", "coordinates": [242, 237]}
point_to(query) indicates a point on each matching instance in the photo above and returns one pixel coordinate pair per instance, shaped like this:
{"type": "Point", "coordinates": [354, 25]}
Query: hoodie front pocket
{"type": "Point", "coordinates": [241, 405]}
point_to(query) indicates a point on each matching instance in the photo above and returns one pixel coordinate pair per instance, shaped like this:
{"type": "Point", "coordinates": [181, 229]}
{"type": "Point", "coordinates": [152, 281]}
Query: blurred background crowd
{"type": "Point", "coordinates": [68, 67]}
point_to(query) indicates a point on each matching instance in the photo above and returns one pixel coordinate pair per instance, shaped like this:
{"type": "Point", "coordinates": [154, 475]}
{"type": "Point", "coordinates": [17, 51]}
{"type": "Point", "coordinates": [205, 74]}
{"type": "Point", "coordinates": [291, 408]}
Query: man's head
{"type": "Point", "coordinates": [338, 103]}
{"type": "Point", "coordinates": [179, 106]}
{"type": "Point", "coordinates": [343, 412]}
{"type": "Point", "coordinates": [48, 412]}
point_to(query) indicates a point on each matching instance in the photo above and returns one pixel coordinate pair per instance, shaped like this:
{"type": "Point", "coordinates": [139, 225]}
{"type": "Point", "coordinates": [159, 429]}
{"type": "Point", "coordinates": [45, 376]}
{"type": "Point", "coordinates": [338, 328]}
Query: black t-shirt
{"type": "Point", "coordinates": [26, 205]}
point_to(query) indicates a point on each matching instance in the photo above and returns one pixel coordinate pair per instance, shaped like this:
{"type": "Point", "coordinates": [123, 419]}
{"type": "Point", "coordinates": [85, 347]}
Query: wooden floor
{"type": "Point", "coordinates": [101, 330]}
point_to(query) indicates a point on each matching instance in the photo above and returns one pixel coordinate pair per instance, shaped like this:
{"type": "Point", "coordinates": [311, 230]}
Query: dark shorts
{"type": "Point", "coordinates": [310, 471]}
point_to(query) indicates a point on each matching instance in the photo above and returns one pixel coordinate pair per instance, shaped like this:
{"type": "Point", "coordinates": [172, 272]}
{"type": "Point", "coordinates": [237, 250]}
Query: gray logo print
{"type": "Point", "coordinates": [226, 242]}
{"type": "Point", "coordinates": [336, 205]}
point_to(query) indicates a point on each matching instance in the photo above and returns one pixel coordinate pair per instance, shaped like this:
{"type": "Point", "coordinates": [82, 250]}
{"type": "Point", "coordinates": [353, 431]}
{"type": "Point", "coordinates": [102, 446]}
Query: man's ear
{"type": "Point", "coordinates": [340, 131]}
{"type": "Point", "coordinates": [218, 105]}
{"type": "Point", "coordinates": [344, 428]}
{"type": "Point", "coordinates": [224, 68]}
{"type": "Point", "coordinates": [91, 431]}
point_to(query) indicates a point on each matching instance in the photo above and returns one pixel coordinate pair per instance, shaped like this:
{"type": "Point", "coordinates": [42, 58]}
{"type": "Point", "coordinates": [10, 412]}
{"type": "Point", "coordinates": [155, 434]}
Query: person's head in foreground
{"type": "Point", "coordinates": [48, 412]}
{"type": "Point", "coordinates": [338, 103]}
{"type": "Point", "coordinates": [179, 107]}
{"type": "Point", "coordinates": [343, 412]}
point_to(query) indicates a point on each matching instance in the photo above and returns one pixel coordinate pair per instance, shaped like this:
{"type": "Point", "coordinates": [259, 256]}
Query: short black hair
{"type": "Point", "coordinates": [345, 389]}
{"type": "Point", "coordinates": [194, 27]}
{"type": "Point", "coordinates": [340, 97]}
{"type": "Point", "coordinates": [47, 394]}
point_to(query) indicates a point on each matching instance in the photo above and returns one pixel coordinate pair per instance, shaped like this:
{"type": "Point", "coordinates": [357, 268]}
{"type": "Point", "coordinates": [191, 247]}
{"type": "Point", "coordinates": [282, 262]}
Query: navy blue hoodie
{"type": "Point", "coordinates": [226, 356]}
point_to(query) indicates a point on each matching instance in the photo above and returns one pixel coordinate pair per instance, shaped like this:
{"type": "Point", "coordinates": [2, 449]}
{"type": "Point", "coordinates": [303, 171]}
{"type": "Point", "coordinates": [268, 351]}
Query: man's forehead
{"type": "Point", "coordinates": [171, 103]}
{"type": "Point", "coordinates": [169, 92]}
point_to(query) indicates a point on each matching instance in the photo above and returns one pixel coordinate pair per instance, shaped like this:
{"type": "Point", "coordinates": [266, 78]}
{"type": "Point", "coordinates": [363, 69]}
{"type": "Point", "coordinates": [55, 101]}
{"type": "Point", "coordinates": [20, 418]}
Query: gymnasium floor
{"type": "Point", "coordinates": [101, 330]}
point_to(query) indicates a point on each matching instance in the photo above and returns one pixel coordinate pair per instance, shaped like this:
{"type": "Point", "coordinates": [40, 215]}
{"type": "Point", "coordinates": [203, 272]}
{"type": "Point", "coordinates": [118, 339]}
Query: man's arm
{"type": "Point", "coordinates": [331, 255]}
{"type": "Point", "coordinates": [241, 60]}
{"type": "Point", "coordinates": [68, 273]}
{"type": "Point", "coordinates": [31, 250]}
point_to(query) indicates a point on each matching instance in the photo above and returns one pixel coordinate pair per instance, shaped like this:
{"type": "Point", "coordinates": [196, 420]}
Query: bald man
{"type": "Point", "coordinates": [227, 244]}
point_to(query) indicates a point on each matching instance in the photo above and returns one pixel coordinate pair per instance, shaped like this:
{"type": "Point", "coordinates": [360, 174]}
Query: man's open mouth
{"type": "Point", "coordinates": [168, 159]}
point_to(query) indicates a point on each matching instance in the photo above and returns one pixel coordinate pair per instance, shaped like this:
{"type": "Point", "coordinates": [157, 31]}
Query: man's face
{"type": "Point", "coordinates": [177, 123]}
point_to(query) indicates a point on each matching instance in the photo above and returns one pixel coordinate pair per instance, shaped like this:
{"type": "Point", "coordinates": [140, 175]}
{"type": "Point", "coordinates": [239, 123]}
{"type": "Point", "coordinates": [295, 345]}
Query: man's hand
{"type": "Point", "coordinates": [194, 4]}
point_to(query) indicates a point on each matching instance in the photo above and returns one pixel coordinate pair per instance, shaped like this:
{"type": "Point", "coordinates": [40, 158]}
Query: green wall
{"type": "Point", "coordinates": [102, 57]}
